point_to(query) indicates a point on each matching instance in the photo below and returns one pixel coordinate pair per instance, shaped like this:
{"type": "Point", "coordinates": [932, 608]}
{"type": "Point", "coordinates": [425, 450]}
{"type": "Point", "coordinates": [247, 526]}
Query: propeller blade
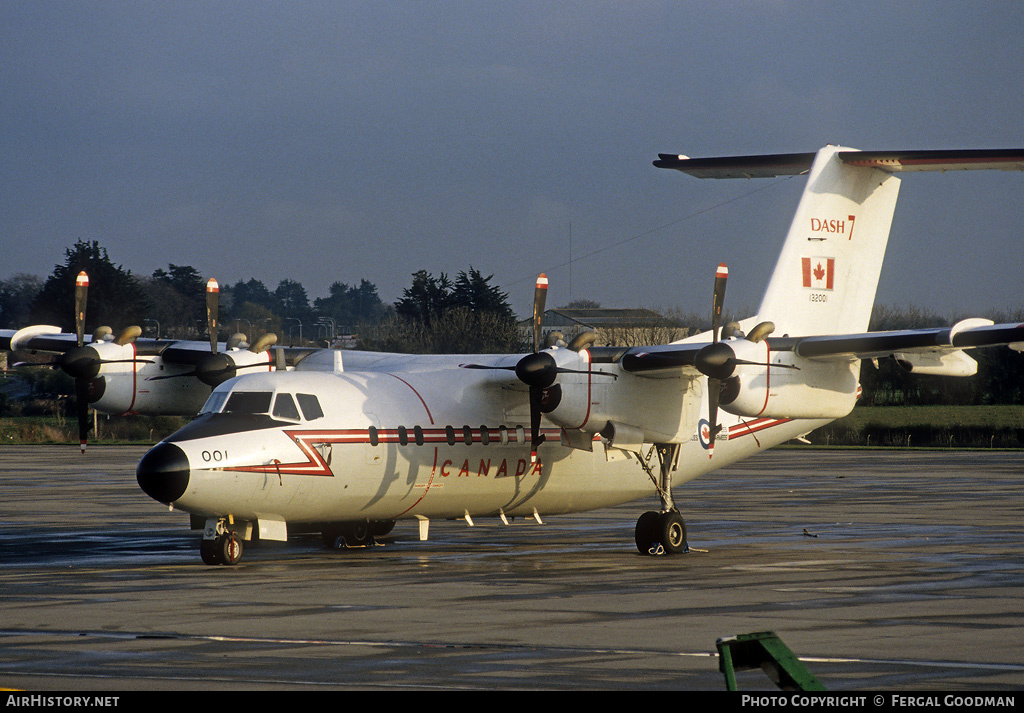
{"type": "Point", "coordinates": [82, 407]}
{"type": "Point", "coordinates": [718, 299]}
{"type": "Point", "coordinates": [486, 367]}
{"type": "Point", "coordinates": [81, 295]}
{"type": "Point", "coordinates": [714, 385]}
{"type": "Point", "coordinates": [540, 295]}
{"type": "Point", "coordinates": [714, 389]}
{"type": "Point", "coordinates": [212, 307]}
{"type": "Point", "coordinates": [536, 437]}
{"type": "Point", "coordinates": [81, 359]}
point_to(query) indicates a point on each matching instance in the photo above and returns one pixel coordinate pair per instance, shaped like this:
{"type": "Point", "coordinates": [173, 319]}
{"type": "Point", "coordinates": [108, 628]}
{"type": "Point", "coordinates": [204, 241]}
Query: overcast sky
{"type": "Point", "coordinates": [336, 141]}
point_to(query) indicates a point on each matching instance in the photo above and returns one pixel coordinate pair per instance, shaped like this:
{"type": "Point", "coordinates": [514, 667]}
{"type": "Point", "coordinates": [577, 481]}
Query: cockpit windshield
{"type": "Point", "coordinates": [248, 402]}
{"type": "Point", "coordinates": [284, 407]}
{"type": "Point", "coordinates": [258, 402]}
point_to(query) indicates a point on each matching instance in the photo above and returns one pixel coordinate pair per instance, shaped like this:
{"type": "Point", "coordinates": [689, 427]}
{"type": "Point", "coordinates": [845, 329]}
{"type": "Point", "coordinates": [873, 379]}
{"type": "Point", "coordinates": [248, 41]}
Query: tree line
{"type": "Point", "coordinates": [434, 313]}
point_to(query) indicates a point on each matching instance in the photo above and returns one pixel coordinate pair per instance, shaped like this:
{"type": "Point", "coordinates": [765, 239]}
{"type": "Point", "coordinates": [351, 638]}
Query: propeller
{"type": "Point", "coordinates": [88, 373]}
{"type": "Point", "coordinates": [217, 367]}
{"type": "Point", "coordinates": [80, 363]}
{"type": "Point", "coordinates": [718, 360]}
{"type": "Point", "coordinates": [714, 383]}
{"type": "Point", "coordinates": [83, 362]}
{"type": "Point", "coordinates": [539, 370]}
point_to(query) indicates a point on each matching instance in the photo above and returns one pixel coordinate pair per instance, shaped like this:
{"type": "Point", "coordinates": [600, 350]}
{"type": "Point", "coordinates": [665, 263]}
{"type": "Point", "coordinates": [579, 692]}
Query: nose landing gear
{"type": "Point", "coordinates": [220, 545]}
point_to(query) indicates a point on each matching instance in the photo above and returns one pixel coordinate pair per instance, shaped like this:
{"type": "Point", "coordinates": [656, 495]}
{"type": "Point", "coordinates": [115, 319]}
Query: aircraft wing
{"type": "Point", "coordinates": [50, 340]}
{"type": "Point", "coordinates": [964, 335]}
{"type": "Point", "coordinates": [681, 359]}
{"type": "Point", "coordinates": [39, 338]}
{"type": "Point", "coordinates": [664, 360]}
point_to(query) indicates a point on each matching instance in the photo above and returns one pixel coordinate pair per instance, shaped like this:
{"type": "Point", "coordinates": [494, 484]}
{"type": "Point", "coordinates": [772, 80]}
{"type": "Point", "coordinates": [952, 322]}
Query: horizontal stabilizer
{"type": "Point", "coordinates": [769, 165]}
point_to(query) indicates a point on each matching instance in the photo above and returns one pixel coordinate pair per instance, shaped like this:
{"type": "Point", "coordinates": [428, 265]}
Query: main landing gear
{"type": "Point", "coordinates": [360, 533]}
{"type": "Point", "coordinates": [662, 532]}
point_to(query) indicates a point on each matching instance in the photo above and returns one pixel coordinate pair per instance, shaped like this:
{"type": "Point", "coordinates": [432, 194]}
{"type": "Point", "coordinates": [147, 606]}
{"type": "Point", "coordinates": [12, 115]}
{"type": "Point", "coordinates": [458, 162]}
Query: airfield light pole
{"type": "Point", "coordinates": [329, 322]}
{"type": "Point", "coordinates": [290, 330]}
{"type": "Point", "coordinates": [238, 326]}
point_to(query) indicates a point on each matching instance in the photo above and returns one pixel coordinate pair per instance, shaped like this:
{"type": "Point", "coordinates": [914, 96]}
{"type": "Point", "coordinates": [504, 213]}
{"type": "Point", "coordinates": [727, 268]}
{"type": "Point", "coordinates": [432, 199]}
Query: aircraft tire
{"type": "Point", "coordinates": [672, 532]}
{"type": "Point", "coordinates": [208, 552]}
{"type": "Point", "coordinates": [381, 527]}
{"type": "Point", "coordinates": [229, 549]}
{"type": "Point", "coordinates": [357, 534]}
{"type": "Point", "coordinates": [330, 538]}
{"type": "Point", "coordinates": [646, 533]}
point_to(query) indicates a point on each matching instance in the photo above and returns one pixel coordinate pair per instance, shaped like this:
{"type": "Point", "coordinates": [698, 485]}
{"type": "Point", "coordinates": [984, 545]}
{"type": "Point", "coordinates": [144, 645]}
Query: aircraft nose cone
{"type": "Point", "coordinates": [163, 473]}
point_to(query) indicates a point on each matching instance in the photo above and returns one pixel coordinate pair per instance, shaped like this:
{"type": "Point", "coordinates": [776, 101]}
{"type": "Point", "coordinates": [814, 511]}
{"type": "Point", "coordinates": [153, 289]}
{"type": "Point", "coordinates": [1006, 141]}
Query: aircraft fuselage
{"type": "Point", "coordinates": [424, 443]}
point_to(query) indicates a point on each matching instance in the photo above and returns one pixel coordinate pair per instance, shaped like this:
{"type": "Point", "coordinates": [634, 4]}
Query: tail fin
{"type": "Point", "coordinates": [825, 279]}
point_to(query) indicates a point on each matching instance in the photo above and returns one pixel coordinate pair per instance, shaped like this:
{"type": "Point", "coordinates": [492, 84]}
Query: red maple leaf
{"type": "Point", "coordinates": [819, 272]}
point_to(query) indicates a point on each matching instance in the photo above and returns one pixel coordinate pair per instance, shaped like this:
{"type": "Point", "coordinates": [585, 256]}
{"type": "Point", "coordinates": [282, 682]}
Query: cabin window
{"type": "Point", "coordinates": [374, 440]}
{"type": "Point", "coordinates": [467, 435]}
{"type": "Point", "coordinates": [417, 433]}
{"type": "Point", "coordinates": [310, 406]}
{"type": "Point", "coordinates": [485, 435]}
{"type": "Point", "coordinates": [403, 436]}
{"type": "Point", "coordinates": [248, 402]}
{"type": "Point", "coordinates": [449, 434]}
{"type": "Point", "coordinates": [284, 407]}
{"type": "Point", "coordinates": [503, 435]}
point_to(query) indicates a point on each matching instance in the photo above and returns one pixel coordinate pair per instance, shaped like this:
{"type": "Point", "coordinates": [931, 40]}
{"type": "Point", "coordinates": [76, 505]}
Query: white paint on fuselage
{"type": "Point", "coordinates": [282, 473]}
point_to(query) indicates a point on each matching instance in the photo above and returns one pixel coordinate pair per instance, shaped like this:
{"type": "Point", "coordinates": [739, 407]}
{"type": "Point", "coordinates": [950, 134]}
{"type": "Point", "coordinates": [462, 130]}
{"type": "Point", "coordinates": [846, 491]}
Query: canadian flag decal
{"type": "Point", "coordinates": [819, 272]}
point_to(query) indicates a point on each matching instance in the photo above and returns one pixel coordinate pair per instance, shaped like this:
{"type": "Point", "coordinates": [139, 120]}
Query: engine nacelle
{"type": "Point", "coordinates": [782, 385]}
{"type": "Point", "coordinates": [124, 384]}
{"type": "Point", "coordinates": [567, 402]}
{"type": "Point", "coordinates": [938, 363]}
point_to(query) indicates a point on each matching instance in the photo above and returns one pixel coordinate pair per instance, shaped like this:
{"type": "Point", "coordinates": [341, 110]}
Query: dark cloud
{"type": "Point", "coordinates": [340, 141]}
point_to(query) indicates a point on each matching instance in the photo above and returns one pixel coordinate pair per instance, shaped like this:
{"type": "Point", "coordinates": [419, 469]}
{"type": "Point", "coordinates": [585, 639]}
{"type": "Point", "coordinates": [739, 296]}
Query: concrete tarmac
{"type": "Point", "coordinates": [882, 570]}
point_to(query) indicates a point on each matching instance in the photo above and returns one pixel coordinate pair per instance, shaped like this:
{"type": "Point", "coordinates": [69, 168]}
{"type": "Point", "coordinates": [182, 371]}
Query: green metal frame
{"type": "Point", "coordinates": [764, 650]}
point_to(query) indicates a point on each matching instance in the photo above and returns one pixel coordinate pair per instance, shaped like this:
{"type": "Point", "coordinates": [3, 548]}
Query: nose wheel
{"type": "Point", "coordinates": [225, 548]}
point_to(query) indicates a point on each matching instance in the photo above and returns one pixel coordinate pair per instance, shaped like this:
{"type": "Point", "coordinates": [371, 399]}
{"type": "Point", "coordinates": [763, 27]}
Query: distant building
{"type": "Point", "coordinates": [614, 327]}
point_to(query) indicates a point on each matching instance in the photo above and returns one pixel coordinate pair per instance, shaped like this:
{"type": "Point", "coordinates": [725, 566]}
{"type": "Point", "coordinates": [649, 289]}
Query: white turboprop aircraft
{"type": "Point", "coordinates": [347, 443]}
